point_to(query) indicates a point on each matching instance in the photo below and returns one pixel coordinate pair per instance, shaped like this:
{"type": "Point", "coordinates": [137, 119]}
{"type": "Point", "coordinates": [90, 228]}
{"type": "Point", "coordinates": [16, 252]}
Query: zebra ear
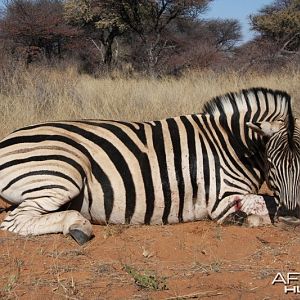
{"type": "Point", "coordinates": [265, 128]}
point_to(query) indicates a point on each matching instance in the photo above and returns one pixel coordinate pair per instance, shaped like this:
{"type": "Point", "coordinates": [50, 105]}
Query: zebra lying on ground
{"type": "Point", "coordinates": [175, 170]}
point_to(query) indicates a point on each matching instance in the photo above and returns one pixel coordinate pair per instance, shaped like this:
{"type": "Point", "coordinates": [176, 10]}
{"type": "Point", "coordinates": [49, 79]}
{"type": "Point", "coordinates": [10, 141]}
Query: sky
{"type": "Point", "coordinates": [237, 9]}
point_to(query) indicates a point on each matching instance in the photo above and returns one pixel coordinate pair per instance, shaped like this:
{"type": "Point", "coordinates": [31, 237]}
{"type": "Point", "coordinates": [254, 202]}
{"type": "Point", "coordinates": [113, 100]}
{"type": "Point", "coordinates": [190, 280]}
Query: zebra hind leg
{"type": "Point", "coordinates": [31, 218]}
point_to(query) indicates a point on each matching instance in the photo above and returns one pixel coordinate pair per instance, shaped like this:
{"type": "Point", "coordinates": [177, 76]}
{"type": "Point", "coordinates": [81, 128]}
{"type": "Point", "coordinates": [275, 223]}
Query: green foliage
{"type": "Point", "coordinates": [148, 281]}
{"type": "Point", "coordinates": [146, 22]}
{"type": "Point", "coordinates": [100, 14]}
{"type": "Point", "coordinates": [78, 12]}
{"type": "Point", "coordinates": [278, 21]}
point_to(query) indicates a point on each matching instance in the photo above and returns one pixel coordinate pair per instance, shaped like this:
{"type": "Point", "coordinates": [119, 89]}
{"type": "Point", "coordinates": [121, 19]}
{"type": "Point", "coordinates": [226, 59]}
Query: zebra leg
{"type": "Point", "coordinates": [258, 209]}
{"type": "Point", "coordinates": [31, 218]}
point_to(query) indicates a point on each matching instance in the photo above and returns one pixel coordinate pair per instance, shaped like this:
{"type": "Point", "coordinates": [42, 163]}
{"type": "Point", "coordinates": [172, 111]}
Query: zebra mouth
{"type": "Point", "coordinates": [290, 220]}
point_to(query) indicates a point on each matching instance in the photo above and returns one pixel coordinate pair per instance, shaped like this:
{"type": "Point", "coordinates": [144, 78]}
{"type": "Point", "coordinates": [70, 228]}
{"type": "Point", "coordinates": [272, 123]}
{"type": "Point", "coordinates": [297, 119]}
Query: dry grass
{"type": "Point", "coordinates": [34, 95]}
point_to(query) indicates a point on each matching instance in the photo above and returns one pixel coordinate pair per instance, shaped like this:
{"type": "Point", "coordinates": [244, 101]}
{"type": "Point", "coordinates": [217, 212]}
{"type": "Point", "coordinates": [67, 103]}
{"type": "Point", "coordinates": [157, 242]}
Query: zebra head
{"type": "Point", "coordinates": [282, 161]}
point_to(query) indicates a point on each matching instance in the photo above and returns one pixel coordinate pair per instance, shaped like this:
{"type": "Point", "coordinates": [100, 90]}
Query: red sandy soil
{"type": "Point", "coordinates": [199, 260]}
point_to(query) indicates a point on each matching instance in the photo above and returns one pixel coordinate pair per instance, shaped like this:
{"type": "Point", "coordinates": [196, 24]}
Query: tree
{"type": "Point", "coordinates": [224, 33]}
{"type": "Point", "coordinates": [201, 43]}
{"type": "Point", "coordinates": [36, 25]}
{"type": "Point", "coordinates": [151, 21]}
{"type": "Point", "coordinates": [143, 23]}
{"type": "Point", "coordinates": [99, 20]}
{"type": "Point", "coordinates": [280, 23]}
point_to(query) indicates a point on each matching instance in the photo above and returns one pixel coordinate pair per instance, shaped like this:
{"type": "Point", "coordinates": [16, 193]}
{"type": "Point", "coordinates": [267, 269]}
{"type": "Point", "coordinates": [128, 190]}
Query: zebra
{"type": "Point", "coordinates": [63, 176]}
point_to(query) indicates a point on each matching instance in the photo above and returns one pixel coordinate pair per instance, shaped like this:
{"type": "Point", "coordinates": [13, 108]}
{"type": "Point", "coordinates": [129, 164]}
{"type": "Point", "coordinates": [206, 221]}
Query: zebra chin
{"type": "Point", "coordinates": [289, 216]}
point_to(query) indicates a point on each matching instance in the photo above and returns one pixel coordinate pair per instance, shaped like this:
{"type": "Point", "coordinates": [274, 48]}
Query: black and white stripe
{"type": "Point", "coordinates": [174, 170]}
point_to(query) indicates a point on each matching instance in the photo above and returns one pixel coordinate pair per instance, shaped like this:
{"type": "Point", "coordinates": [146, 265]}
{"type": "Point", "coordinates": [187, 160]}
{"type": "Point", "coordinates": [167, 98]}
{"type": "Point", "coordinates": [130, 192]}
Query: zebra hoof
{"type": "Point", "coordinates": [79, 236]}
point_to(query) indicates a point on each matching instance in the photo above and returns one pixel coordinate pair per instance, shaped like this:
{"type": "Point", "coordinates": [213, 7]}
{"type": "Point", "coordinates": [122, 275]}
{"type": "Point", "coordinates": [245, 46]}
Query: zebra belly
{"type": "Point", "coordinates": [97, 212]}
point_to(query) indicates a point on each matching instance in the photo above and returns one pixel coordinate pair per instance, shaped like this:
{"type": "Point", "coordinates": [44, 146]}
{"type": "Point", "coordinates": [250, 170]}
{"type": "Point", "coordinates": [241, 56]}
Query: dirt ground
{"type": "Point", "coordinates": [199, 260]}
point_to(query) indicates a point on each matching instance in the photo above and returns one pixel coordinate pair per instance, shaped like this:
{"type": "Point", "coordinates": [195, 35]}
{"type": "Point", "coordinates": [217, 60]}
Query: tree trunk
{"type": "Point", "coordinates": [108, 43]}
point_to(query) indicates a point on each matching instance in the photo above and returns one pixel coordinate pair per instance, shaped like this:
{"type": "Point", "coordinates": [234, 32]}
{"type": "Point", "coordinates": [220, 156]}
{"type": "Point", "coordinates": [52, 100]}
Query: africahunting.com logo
{"type": "Point", "coordinates": [289, 281]}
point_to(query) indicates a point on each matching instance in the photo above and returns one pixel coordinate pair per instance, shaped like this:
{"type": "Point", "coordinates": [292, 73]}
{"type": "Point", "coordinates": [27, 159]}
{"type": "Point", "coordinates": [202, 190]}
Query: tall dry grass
{"type": "Point", "coordinates": [33, 95]}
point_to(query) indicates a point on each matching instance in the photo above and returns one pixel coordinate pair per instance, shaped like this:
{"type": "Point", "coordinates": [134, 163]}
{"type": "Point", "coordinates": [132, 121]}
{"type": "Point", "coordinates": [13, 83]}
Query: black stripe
{"type": "Point", "coordinates": [38, 197]}
{"type": "Point", "coordinates": [266, 111]}
{"type": "Point", "coordinates": [226, 209]}
{"type": "Point", "coordinates": [232, 177]}
{"type": "Point", "coordinates": [90, 200]}
{"type": "Point", "coordinates": [97, 171]}
{"type": "Point", "coordinates": [258, 111]}
{"type": "Point", "coordinates": [159, 147]}
{"type": "Point", "coordinates": [140, 132]}
{"type": "Point", "coordinates": [206, 170]}
{"type": "Point", "coordinates": [247, 118]}
{"type": "Point", "coordinates": [235, 186]}
{"type": "Point", "coordinates": [228, 194]}
{"type": "Point", "coordinates": [65, 159]}
{"type": "Point", "coordinates": [234, 133]}
{"type": "Point", "coordinates": [255, 146]}
{"type": "Point", "coordinates": [192, 153]}
{"type": "Point", "coordinates": [216, 158]}
{"type": "Point", "coordinates": [175, 137]}
{"type": "Point", "coordinates": [237, 147]}
{"type": "Point", "coordinates": [238, 168]}
{"type": "Point", "coordinates": [116, 158]}
{"type": "Point", "coordinates": [258, 143]}
{"type": "Point", "coordinates": [223, 150]}
{"type": "Point", "coordinates": [45, 187]}
{"type": "Point", "coordinates": [212, 146]}
{"type": "Point", "coordinates": [143, 161]}
{"type": "Point", "coordinates": [37, 206]}
{"type": "Point", "coordinates": [273, 115]}
{"type": "Point", "coordinates": [41, 172]}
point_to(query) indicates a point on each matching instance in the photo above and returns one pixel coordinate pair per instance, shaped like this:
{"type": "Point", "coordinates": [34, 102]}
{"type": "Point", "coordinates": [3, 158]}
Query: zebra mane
{"type": "Point", "coordinates": [224, 103]}
{"type": "Point", "coordinates": [272, 104]}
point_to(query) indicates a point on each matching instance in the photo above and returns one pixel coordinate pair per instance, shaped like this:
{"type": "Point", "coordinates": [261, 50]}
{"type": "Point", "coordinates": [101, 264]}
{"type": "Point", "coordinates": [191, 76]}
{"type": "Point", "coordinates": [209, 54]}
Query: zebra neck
{"type": "Point", "coordinates": [234, 141]}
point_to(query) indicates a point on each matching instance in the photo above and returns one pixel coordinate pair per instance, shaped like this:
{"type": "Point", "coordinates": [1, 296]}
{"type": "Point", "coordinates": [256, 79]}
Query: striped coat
{"type": "Point", "coordinates": [174, 170]}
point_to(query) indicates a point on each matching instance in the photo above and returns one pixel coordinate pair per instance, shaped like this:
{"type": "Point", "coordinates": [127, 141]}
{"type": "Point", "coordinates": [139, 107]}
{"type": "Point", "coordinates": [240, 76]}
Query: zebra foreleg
{"type": "Point", "coordinates": [258, 209]}
{"type": "Point", "coordinates": [30, 218]}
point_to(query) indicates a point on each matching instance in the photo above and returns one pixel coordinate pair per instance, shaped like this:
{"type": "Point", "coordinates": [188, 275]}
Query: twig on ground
{"type": "Point", "coordinates": [196, 295]}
